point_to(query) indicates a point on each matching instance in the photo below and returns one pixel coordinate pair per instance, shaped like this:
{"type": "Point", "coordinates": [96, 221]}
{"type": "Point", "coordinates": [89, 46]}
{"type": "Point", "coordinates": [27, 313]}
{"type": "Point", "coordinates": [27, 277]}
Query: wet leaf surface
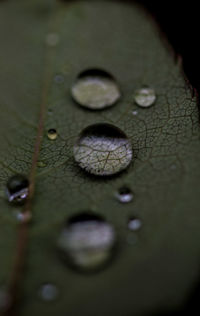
{"type": "Point", "coordinates": [155, 267]}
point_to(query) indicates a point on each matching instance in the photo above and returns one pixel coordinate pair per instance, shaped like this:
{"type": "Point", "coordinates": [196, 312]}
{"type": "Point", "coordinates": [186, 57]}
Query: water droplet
{"type": "Point", "coordinates": [135, 112]}
{"type": "Point", "coordinates": [41, 164]}
{"type": "Point", "coordinates": [24, 217]}
{"type": "Point", "coordinates": [95, 89]}
{"type": "Point", "coordinates": [134, 224]}
{"type": "Point", "coordinates": [87, 241]}
{"type": "Point", "coordinates": [145, 97]}
{"type": "Point", "coordinates": [124, 195]}
{"type": "Point", "coordinates": [103, 149]}
{"type": "Point", "coordinates": [17, 188]}
{"type": "Point", "coordinates": [48, 292]}
{"type": "Point", "coordinates": [52, 39]}
{"type": "Point", "coordinates": [52, 134]}
{"type": "Point", "coordinates": [59, 79]}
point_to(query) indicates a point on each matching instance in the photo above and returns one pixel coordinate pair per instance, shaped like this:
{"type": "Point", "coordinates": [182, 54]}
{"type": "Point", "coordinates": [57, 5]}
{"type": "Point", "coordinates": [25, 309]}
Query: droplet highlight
{"type": "Point", "coordinates": [103, 150]}
{"type": "Point", "coordinates": [134, 224]}
{"type": "Point", "coordinates": [52, 134]}
{"type": "Point", "coordinates": [17, 189]}
{"type": "Point", "coordinates": [95, 89]}
{"type": "Point", "coordinates": [87, 242]}
{"type": "Point", "coordinates": [124, 195]}
{"type": "Point", "coordinates": [48, 292]}
{"type": "Point", "coordinates": [145, 97]}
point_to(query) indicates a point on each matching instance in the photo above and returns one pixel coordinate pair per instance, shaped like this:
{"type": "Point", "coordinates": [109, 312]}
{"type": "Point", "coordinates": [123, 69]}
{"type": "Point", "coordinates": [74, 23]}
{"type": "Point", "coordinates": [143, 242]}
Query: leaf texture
{"type": "Point", "coordinates": [157, 271]}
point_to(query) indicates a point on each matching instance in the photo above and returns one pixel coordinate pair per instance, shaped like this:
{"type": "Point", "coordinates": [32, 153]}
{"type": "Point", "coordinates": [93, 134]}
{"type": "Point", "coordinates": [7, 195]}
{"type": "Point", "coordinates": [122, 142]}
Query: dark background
{"type": "Point", "coordinates": [180, 21]}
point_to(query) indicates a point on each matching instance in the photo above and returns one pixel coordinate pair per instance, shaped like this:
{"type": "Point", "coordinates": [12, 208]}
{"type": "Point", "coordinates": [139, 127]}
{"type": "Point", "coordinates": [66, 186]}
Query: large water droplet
{"type": "Point", "coordinates": [95, 89]}
{"type": "Point", "coordinates": [48, 292]}
{"type": "Point", "coordinates": [134, 224]}
{"type": "Point", "coordinates": [17, 188]}
{"type": "Point", "coordinates": [145, 97]}
{"type": "Point", "coordinates": [124, 195]}
{"type": "Point", "coordinates": [87, 242]}
{"type": "Point", "coordinates": [52, 134]}
{"type": "Point", "coordinates": [103, 149]}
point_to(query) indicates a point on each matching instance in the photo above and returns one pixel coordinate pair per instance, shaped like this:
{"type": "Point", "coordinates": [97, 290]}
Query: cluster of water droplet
{"type": "Point", "coordinates": [87, 241]}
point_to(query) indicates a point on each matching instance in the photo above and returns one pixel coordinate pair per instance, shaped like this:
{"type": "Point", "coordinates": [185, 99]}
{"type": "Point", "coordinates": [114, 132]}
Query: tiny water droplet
{"type": "Point", "coordinates": [134, 224]}
{"type": "Point", "coordinates": [103, 149]}
{"type": "Point", "coordinates": [95, 89]}
{"type": "Point", "coordinates": [24, 217]}
{"type": "Point", "coordinates": [124, 195]}
{"type": "Point", "coordinates": [41, 164]}
{"type": "Point", "coordinates": [52, 39]}
{"type": "Point", "coordinates": [48, 292]}
{"type": "Point", "coordinates": [145, 97]}
{"type": "Point", "coordinates": [52, 134]}
{"type": "Point", "coordinates": [87, 241]}
{"type": "Point", "coordinates": [17, 188]}
{"type": "Point", "coordinates": [59, 79]}
{"type": "Point", "coordinates": [135, 112]}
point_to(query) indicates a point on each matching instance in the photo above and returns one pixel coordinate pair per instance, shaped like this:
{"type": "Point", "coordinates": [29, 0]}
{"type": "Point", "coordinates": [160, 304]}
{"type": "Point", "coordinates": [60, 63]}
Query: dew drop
{"type": "Point", "coordinates": [52, 134]}
{"type": "Point", "coordinates": [17, 188]}
{"type": "Point", "coordinates": [52, 39]}
{"type": "Point", "coordinates": [95, 89]}
{"type": "Point", "coordinates": [41, 164]}
{"type": "Point", "coordinates": [23, 217]}
{"type": "Point", "coordinates": [134, 224]}
{"type": "Point", "coordinates": [145, 97]}
{"type": "Point", "coordinates": [48, 292]}
{"type": "Point", "coordinates": [124, 195]}
{"type": "Point", "coordinates": [103, 149]}
{"type": "Point", "coordinates": [135, 112]}
{"type": "Point", "coordinates": [87, 241]}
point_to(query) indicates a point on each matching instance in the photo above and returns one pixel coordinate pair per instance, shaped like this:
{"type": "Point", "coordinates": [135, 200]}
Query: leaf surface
{"type": "Point", "coordinates": [154, 268]}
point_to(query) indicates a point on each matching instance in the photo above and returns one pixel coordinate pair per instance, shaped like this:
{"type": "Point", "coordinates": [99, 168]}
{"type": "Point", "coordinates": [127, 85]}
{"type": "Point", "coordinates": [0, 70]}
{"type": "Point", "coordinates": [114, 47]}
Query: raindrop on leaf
{"type": "Point", "coordinates": [95, 89]}
{"type": "Point", "coordinates": [17, 188]}
{"type": "Point", "coordinates": [145, 97]}
{"type": "Point", "coordinates": [103, 149]}
{"type": "Point", "coordinates": [87, 242]}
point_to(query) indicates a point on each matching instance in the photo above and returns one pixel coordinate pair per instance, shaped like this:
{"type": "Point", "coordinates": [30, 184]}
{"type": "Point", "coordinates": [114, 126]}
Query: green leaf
{"type": "Point", "coordinates": [157, 271]}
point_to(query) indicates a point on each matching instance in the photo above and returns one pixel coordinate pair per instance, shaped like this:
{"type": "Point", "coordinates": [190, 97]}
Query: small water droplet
{"type": "Point", "coordinates": [59, 79]}
{"type": "Point", "coordinates": [103, 149]}
{"type": "Point", "coordinates": [134, 224]}
{"type": "Point", "coordinates": [145, 97]}
{"type": "Point", "coordinates": [52, 134]}
{"type": "Point", "coordinates": [52, 39]}
{"type": "Point", "coordinates": [95, 89]}
{"type": "Point", "coordinates": [124, 195]}
{"type": "Point", "coordinates": [17, 188]}
{"type": "Point", "coordinates": [41, 164]}
{"type": "Point", "coordinates": [24, 217]}
{"type": "Point", "coordinates": [87, 241]}
{"type": "Point", "coordinates": [48, 292]}
{"type": "Point", "coordinates": [135, 112]}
